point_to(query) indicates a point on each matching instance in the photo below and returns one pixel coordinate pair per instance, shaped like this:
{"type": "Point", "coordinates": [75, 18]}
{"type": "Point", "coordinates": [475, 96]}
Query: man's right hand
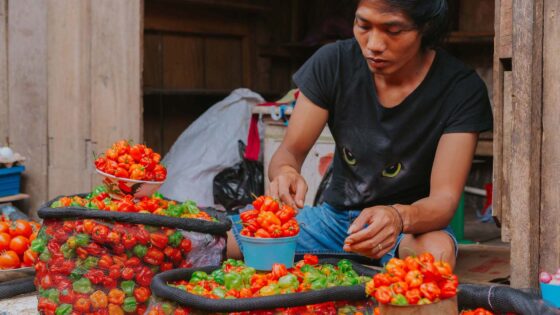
{"type": "Point", "coordinates": [289, 186]}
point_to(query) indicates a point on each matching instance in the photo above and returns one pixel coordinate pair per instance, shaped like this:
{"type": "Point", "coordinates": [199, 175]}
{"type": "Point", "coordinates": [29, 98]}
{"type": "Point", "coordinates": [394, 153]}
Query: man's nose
{"type": "Point", "coordinates": [376, 41]}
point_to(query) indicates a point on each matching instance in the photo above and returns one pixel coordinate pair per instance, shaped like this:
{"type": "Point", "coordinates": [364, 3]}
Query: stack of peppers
{"type": "Point", "coordinates": [89, 266]}
{"type": "Point", "coordinates": [99, 199]}
{"type": "Point", "coordinates": [269, 219]}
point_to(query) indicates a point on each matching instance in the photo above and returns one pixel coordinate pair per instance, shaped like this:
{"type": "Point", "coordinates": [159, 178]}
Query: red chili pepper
{"type": "Point", "coordinates": [448, 289]}
{"type": "Point", "coordinates": [399, 287]}
{"type": "Point", "coordinates": [129, 241]}
{"type": "Point", "coordinates": [144, 277]}
{"type": "Point", "coordinates": [142, 236]}
{"type": "Point", "coordinates": [275, 231]}
{"type": "Point", "coordinates": [285, 213]}
{"type": "Point", "coordinates": [95, 276]}
{"type": "Point", "coordinates": [257, 203]}
{"type": "Point", "coordinates": [105, 262]}
{"type": "Point", "coordinates": [290, 228]}
{"type": "Point", "coordinates": [186, 245]}
{"type": "Point", "coordinates": [142, 294]}
{"type": "Point", "coordinates": [127, 273]}
{"type": "Point", "coordinates": [109, 282]}
{"type": "Point", "coordinates": [246, 232]}
{"type": "Point", "coordinates": [310, 259]}
{"type": "Point", "coordinates": [67, 296]}
{"type": "Point", "coordinates": [414, 278]}
{"type": "Point", "coordinates": [262, 233]}
{"type": "Point", "coordinates": [430, 290]}
{"type": "Point", "coordinates": [173, 253]}
{"type": "Point", "coordinates": [278, 271]}
{"type": "Point", "coordinates": [132, 262]}
{"type": "Point", "coordinates": [99, 233]}
{"type": "Point", "coordinates": [251, 225]}
{"type": "Point", "coordinates": [383, 295]}
{"type": "Point", "coordinates": [249, 215]}
{"type": "Point", "coordinates": [165, 266]}
{"type": "Point", "coordinates": [269, 204]}
{"type": "Point", "coordinates": [413, 296]}
{"type": "Point", "coordinates": [159, 240]}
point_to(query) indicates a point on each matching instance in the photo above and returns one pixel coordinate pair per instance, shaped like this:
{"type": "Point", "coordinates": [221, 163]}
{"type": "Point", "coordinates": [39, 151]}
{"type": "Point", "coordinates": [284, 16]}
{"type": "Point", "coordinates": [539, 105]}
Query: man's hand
{"type": "Point", "coordinates": [379, 236]}
{"type": "Point", "coordinates": [289, 186]}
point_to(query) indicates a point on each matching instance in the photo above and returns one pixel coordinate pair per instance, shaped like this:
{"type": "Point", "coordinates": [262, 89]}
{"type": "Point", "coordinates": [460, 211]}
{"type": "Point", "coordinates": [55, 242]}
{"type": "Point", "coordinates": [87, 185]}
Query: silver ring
{"type": "Point", "coordinates": [380, 247]}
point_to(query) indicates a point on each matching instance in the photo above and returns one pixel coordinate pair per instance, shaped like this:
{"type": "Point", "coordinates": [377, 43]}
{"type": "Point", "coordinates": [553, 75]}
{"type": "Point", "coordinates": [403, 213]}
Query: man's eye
{"type": "Point", "coordinates": [362, 26]}
{"type": "Point", "coordinates": [394, 31]}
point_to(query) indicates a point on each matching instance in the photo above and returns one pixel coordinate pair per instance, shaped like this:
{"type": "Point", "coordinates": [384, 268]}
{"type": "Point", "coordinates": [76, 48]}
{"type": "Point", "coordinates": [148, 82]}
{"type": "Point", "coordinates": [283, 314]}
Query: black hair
{"type": "Point", "coordinates": [429, 16]}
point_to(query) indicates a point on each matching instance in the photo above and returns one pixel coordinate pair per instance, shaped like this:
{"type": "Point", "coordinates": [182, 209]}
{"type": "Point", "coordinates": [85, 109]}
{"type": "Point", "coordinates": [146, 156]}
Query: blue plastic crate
{"type": "Point", "coordinates": [10, 179]}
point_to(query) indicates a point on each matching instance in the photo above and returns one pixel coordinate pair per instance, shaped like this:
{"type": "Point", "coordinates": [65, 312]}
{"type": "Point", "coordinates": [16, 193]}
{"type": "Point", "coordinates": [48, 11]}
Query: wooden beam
{"type": "Point", "coordinates": [526, 141]}
{"type": "Point", "coordinates": [116, 69]}
{"type": "Point", "coordinates": [504, 19]}
{"type": "Point", "coordinates": [4, 121]}
{"type": "Point", "coordinates": [69, 97]}
{"type": "Point", "coordinates": [27, 88]}
{"type": "Point", "coordinates": [550, 185]}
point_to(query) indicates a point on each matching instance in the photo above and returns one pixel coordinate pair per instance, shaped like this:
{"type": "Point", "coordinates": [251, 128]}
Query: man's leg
{"type": "Point", "coordinates": [233, 250]}
{"type": "Point", "coordinates": [438, 243]}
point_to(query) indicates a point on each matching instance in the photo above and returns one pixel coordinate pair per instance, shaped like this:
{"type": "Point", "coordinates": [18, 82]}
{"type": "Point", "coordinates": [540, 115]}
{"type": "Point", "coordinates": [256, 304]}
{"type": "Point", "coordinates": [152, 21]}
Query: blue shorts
{"type": "Point", "coordinates": [323, 230]}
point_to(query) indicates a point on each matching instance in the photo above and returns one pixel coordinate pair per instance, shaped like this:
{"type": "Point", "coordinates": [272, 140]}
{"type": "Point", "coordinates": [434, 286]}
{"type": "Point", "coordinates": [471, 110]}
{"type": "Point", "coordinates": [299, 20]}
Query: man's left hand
{"type": "Point", "coordinates": [374, 232]}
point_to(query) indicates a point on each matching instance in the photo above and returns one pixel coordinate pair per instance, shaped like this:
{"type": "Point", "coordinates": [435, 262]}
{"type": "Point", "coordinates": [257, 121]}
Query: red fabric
{"type": "Point", "coordinates": [253, 147]}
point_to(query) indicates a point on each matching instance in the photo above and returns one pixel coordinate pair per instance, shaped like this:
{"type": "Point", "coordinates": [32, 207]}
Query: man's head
{"type": "Point", "coordinates": [392, 32]}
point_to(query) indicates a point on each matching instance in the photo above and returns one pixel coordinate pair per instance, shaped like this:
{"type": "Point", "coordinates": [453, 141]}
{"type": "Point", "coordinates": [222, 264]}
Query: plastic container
{"type": "Point", "coordinates": [262, 253]}
{"type": "Point", "coordinates": [118, 187]}
{"type": "Point", "coordinates": [10, 179]}
{"type": "Point", "coordinates": [551, 294]}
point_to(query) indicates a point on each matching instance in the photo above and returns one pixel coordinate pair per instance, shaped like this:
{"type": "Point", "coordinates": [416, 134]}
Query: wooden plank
{"type": "Point", "coordinates": [526, 141]}
{"type": "Point", "coordinates": [116, 67]}
{"type": "Point", "coordinates": [4, 121]}
{"type": "Point", "coordinates": [223, 64]}
{"type": "Point", "coordinates": [476, 15]}
{"type": "Point", "coordinates": [27, 88]}
{"type": "Point", "coordinates": [550, 185]}
{"type": "Point", "coordinates": [69, 96]}
{"type": "Point", "coordinates": [497, 98]}
{"type": "Point", "coordinates": [186, 19]}
{"type": "Point", "coordinates": [153, 59]}
{"type": "Point", "coordinates": [507, 127]}
{"type": "Point", "coordinates": [14, 198]}
{"type": "Point", "coordinates": [183, 62]}
{"type": "Point", "coordinates": [504, 19]}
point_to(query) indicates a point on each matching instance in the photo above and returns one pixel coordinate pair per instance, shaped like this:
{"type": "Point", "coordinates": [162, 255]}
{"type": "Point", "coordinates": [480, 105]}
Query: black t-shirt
{"type": "Point", "coordinates": [385, 155]}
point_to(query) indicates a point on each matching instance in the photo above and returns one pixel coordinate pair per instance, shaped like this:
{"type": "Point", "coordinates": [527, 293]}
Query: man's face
{"type": "Point", "coordinates": [388, 38]}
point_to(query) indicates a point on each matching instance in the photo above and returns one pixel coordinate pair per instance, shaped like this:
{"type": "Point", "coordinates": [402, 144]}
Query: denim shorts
{"type": "Point", "coordinates": [323, 230]}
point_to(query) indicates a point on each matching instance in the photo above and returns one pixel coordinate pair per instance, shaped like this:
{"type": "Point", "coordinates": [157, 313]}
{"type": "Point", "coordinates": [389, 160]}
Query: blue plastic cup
{"type": "Point", "coordinates": [262, 253]}
{"type": "Point", "coordinates": [551, 294]}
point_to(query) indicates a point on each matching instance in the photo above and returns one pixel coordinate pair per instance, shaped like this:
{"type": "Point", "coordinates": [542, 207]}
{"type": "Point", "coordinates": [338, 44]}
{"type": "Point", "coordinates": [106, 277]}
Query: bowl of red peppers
{"type": "Point", "coordinates": [131, 169]}
{"type": "Point", "coordinates": [269, 234]}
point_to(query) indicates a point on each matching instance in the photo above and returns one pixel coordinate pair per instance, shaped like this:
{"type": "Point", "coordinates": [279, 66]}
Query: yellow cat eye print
{"type": "Point", "coordinates": [392, 171]}
{"type": "Point", "coordinates": [348, 157]}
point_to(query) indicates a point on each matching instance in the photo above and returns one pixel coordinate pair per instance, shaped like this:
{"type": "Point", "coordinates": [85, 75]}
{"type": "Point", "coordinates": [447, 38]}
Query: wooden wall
{"type": "Point", "coordinates": [71, 88]}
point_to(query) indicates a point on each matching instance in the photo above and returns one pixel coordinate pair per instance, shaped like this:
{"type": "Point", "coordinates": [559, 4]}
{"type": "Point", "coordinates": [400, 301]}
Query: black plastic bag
{"type": "Point", "coordinates": [236, 186]}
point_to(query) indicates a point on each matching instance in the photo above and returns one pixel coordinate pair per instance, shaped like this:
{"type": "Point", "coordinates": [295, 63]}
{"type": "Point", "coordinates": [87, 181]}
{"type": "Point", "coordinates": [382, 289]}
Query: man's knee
{"type": "Point", "coordinates": [233, 250]}
{"type": "Point", "coordinates": [438, 243]}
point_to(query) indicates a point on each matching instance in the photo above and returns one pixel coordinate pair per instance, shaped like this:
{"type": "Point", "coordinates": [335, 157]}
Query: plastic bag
{"type": "Point", "coordinates": [208, 146]}
{"type": "Point", "coordinates": [236, 186]}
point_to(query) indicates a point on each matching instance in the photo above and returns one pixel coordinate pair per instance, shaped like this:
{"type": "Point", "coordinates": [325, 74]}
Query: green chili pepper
{"type": "Point", "coordinates": [75, 204]}
{"type": "Point", "coordinates": [63, 309]}
{"type": "Point", "coordinates": [128, 287]}
{"type": "Point", "coordinates": [328, 269]}
{"type": "Point", "coordinates": [233, 280]}
{"type": "Point", "coordinates": [218, 276]}
{"type": "Point", "coordinates": [140, 250]}
{"type": "Point", "coordinates": [198, 290]}
{"type": "Point", "coordinates": [45, 256]}
{"type": "Point", "coordinates": [246, 274]}
{"type": "Point", "coordinates": [271, 289]}
{"type": "Point", "coordinates": [67, 251]}
{"type": "Point", "coordinates": [90, 262]}
{"type": "Point", "coordinates": [51, 294]}
{"type": "Point", "coordinates": [174, 210]}
{"type": "Point", "coordinates": [399, 299]}
{"type": "Point", "coordinates": [306, 268]}
{"type": "Point", "coordinates": [129, 304]}
{"type": "Point", "coordinates": [38, 245]}
{"type": "Point", "coordinates": [191, 207]}
{"type": "Point", "coordinates": [175, 239]}
{"type": "Point", "coordinates": [82, 239]}
{"type": "Point", "coordinates": [288, 281]}
{"type": "Point", "coordinates": [233, 262]}
{"type": "Point", "coordinates": [219, 292]}
{"type": "Point", "coordinates": [107, 201]}
{"type": "Point", "coordinates": [157, 195]}
{"type": "Point", "coordinates": [91, 205]}
{"type": "Point", "coordinates": [56, 204]}
{"type": "Point", "coordinates": [319, 283]}
{"type": "Point", "coordinates": [99, 189]}
{"type": "Point", "coordinates": [77, 273]}
{"type": "Point", "coordinates": [82, 285]}
{"type": "Point", "coordinates": [198, 276]}
{"type": "Point", "coordinates": [344, 265]}
{"type": "Point", "coordinates": [167, 308]}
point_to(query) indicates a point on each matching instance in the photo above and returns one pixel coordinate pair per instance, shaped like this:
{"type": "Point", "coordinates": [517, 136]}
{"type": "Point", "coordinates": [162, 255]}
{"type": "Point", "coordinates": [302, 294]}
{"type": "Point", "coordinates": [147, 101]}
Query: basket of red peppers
{"type": "Point", "coordinates": [415, 285]}
{"type": "Point", "coordinates": [312, 286]}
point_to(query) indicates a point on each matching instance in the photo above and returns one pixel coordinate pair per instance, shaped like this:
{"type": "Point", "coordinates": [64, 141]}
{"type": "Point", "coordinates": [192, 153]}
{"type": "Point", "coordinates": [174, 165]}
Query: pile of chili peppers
{"type": "Point", "coordinates": [236, 280]}
{"type": "Point", "coordinates": [269, 219]}
{"type": "Point", "coordinates": [101, 200]}
{"type": "Point", "coordinates": [415, 280]}
{"type": "Point", "coordinates": [89, 266]}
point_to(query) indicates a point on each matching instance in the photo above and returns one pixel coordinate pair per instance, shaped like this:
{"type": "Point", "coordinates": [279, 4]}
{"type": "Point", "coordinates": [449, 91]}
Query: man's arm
{"type": "Point", "coordinates": [306, 123]}
{"type": "Point", "coordinates": [451, 167]}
